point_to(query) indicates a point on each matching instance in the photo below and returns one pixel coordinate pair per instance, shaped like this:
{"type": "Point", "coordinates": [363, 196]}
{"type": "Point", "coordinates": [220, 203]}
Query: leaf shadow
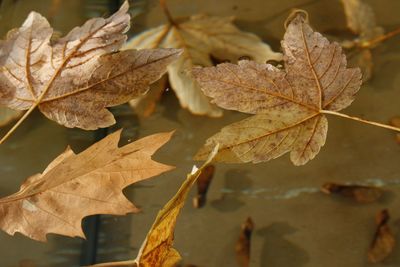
{"type": "Point", "coordinates": [277, 251]}
{"type": "Point", "coordinates": [236, 182]}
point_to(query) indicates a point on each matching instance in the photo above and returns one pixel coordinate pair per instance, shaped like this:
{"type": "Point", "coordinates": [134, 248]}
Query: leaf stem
{"type": "Point", "coordinates": [29, 111]}
{"type": "Point", "coordinates": [167, 13]}
{"type": "Point", "coordinates": [380, 38]}
{"type": "Point", "coordinates": [115, 263]}
{"type": "Point", "coordinates": [361, 120]}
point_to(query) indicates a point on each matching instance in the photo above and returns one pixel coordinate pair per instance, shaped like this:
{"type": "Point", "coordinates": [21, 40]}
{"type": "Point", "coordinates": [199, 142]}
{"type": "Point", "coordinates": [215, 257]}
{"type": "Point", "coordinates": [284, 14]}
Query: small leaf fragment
{"type": "Point", "coordinates": [52, 202]}
{"type": "Point", "coordinates": [361, 194]}
{"type": "Point", "coordinates": [383, 241]}
{"type": "Point", "coordinates": [243, 244]}
{"type": "Point", "coordinates": [203, 183]}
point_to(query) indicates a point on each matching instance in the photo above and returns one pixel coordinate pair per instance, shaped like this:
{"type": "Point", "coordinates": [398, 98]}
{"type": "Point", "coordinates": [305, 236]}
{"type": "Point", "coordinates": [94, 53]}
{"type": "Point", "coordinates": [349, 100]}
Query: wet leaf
{"type": "Point", "coordinates": [383, 242]}
{"type": "Point", "coordinates": [157, 249]}
{"type": "Point", "coordinates": [288, 105]}
{"type": "Point", "coordinates": [203, 182]}
{"type": "Point", "coordinates": [201, 37]}
{"type": "Point", "coordinates": [243, 244]}
{"type": "Point", "coordinates": [361, 194]}
{"type": "Point", "coordinates": [74, 186]}
{"type": "Point", "coordinates": [8, 115]}
{"type": "Point", "coordinates": [75, 79]}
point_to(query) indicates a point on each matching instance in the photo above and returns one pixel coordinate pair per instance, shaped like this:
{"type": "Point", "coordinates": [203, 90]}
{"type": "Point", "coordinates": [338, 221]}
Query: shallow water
{"type": "Point", "coordinates": [295, 224]}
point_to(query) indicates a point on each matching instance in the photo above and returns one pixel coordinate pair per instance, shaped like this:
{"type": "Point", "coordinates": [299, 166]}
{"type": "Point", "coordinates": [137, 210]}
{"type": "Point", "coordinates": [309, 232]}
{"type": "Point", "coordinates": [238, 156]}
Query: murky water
{"type": "Point", "coordinates": [295, 224]}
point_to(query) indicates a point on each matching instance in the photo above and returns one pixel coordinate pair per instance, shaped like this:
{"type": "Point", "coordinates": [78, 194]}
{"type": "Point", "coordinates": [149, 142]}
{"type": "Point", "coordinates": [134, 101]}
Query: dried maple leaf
{"type": "Point", "coordinates": [52, 202]}
{"type": "Point", "coordinates": [8, 115]}
{"type": "Point", "coordinates": [157, 248]}
{"type": "Point", "coordinates": [243, 244]}
{"type": "Point", "coordinates": [200, 36]}
{"type": "Point", "coordinates": [361, 194]}
{"type": "Point", "coordinates": [289, 105]}
{"type": "Point", "coordinates": [383, 242]}
{"type": "Point", "coordinates": [75, 79]}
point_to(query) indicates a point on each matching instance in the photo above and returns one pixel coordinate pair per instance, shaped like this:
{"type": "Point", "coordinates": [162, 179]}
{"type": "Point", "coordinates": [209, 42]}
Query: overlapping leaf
{"type": "Point", "coordinates": [74, 186]}
{"type": "Point", "coordinates": [289, 105]}
{"type": "Point", "coordinates": [157, 249]}
{"type": "Point", "coordinates": [73, 80]}
{"type": "Point", "coordinates": [200, 37]}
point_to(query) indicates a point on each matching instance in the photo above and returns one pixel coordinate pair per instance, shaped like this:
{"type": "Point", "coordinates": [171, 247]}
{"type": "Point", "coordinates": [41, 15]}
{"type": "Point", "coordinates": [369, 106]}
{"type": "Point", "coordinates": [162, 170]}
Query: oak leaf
{"type": "Point", "coordinates": [74, 186]}
{"type": "Point", "coordinates": [201, 36]}
{"type": "Point", "coordinates": [73, 80]}
{"type": "Point", "coordinates": [157, 249]}
{"type": "Point", "coordinates": [289, 105]}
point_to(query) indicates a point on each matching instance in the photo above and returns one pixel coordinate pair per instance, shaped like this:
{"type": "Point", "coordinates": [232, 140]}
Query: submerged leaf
{"type": "Point", "coordinates": [203, 182]}
{"type": "Point", "coordinates": [361, 194]}
{"type": "Point", "coordinates": [8, 115]}
{"type": "Point", "coordinates": [74, 186]}
{"type": "Point", "coordinates": [395, 121]}
{"type": "Point", "coordinates": [289, 105]}
{"type": "Point", "coordinates": [244, 243]}
{"type": "Point", "coordinates": [200, 37]}
{"type": "Point", "coordinates": [383, 242]}
{"type": "Point", "coordinates": [75, 79]}
{"type": "Point", "coordinates": [361, 19]}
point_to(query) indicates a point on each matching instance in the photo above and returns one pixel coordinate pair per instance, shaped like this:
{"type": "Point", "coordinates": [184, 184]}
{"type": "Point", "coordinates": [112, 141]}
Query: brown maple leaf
{"type": "Point", "coordinates": [289, 105]}
{"type": "Point", "coordinates": [157, 249]}
{"type": "Point", "coordinates": [200, 36]}
{"type": "Point", "coordinates": [73, 80]}
{"type": "Point", "coordinates": [74, 186]}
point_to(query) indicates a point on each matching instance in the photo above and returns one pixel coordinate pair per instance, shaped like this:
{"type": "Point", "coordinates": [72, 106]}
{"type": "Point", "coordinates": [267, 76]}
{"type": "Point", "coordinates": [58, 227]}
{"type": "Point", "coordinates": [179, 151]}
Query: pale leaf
{"type": "Point", "coordinates": [52, 202]}
{"type": "Point", "coordinates": [288, 104]}
{"type": "Point", "coordinates": [75, 79]}
{"type": "Point", "coordinates": [361, 19]}
{"type": "Point", "coordinates": [200, 37]}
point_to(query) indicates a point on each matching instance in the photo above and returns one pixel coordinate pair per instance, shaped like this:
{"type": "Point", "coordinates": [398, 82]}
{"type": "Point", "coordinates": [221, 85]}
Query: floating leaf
{"type": "Point", "coordinates": [383, 242]}
{"type": "Point", "coordinates": [200, 37]}
{"type": "Point", "coordinates": [289, 105]}
{"type": "Point", "coordinates": [244, 243]}
{"type": "Point", "coordinates": [75, 79]}
{"type": "Point", "coordinates": [361, 194]}
{"type": "Point", "coordinates": [157, 248]}
{"type": "Point", "coordinates": [74, 186]}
